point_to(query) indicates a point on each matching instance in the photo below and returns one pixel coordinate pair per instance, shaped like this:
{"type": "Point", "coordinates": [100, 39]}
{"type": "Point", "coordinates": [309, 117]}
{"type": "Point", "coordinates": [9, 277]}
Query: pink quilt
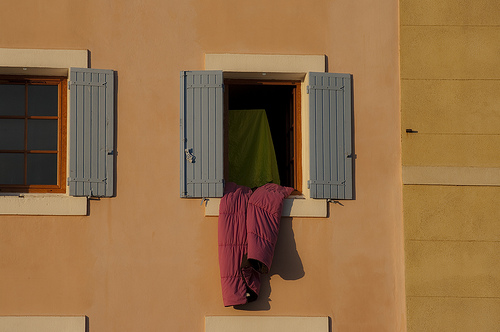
{"type": "Point", "coordinates": [248, 231]}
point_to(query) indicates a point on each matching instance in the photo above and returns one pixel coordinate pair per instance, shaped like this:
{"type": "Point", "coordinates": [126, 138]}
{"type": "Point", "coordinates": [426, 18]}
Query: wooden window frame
{"type": "Point", "coordinates": [61, 151]}
{"type": "Point", "coordinates": [296, 125]}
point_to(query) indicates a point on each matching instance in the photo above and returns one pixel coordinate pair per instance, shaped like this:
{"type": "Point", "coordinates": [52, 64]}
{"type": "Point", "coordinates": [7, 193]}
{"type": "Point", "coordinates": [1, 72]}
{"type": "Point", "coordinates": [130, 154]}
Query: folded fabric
{"type": "Point", "coordinates": [248, 231]}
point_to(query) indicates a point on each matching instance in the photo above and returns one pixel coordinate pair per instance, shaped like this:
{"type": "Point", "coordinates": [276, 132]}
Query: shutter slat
{"type": "Point", "coordinates": [201, 134]}
{"type": "Point", "coordinates": [91, 132]}
{"type": "Point", "coordinates": [211, 152]}
{"type": "Point", "coordinates": [204, 135]}
{"type": "Point", "coordinates": [348, 166]}
{"type": "Point", "coordinates": [330, 136]}
{"type": "Point", "coordinates": [340, 165]}
{"type": "Point", "coordinates": [219, 137]}
{"type": "Point", "coordinates": [80, 126]}
{"type": "Point", "coordinates": [95, 144]}
{"type": "Point", "coordinates": [327, 151]}
{"type": "Point", "coordinates": [196, 138]}
{"type": "Point", "coordinates": [182, 131]}
{"type": "Point", "coordinates": [87, 148]}
{"type": "Point", "coordinates": [312, 134]}
{"type": "Point", "coordinates": [336, 140]}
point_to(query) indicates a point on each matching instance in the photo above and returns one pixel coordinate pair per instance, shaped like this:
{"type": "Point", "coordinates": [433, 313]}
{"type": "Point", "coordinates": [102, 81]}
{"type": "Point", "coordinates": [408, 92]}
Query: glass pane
{"type": "Point", "coordinates": [42, 168]}
{"type": "Point", "coordinates": [11, 168]}
{"type": "Point", "coordinates": [42, 100]}
{"type": "Point", "coordinates": [42, 134]}
{"type": "Point", "coordinates": [11, 134]}
{"type": "Point", "coordinates": [12, 99]}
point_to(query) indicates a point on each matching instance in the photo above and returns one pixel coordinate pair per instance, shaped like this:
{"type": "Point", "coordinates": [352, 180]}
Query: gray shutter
{"type": "Point", "coordinates": [330, 112]}
{"type": "Point", "coordinates": [91, 157]}
{"type": "Point", "coordinates": [201, 127]}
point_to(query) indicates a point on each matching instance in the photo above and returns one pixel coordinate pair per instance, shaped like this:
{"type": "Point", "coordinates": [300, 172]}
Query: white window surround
{"type": "Point", "coordinates": [42, 323]}
{"type": "Point", "coordinates": [265, 323]}
{"type": "Point", "coordinates": [46, 63]}
{"type": "Point", "coordinates": [284, 67]}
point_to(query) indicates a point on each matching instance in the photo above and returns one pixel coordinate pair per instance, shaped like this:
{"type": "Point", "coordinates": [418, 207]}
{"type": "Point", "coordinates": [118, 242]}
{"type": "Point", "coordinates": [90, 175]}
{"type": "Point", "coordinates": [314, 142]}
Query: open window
{"type": "Point", "coordinates": [204, 126]}
{"type": "Point", "coordinates": [263, 133]}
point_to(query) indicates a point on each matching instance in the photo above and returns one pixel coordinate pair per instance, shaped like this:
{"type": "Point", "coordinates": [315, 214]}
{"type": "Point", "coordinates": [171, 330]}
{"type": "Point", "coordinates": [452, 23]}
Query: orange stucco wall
{"type": "Point", "coordinates": [147, 260]}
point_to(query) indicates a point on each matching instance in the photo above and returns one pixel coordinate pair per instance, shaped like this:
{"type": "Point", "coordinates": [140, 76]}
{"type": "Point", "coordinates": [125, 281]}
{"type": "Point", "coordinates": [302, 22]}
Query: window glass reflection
{"type": "Point", "coordinates": [12, 99]}
{"type": "Point", "coordinates": [42, 100]}
{"type": "Point", "coordinates": [42, 134]}
{"type": "Point", "coordinates": [11, 134]}
{"type": "Point", "coordinates": [42, 168]}
{"type": "Point", "coordinates": [11, 168]}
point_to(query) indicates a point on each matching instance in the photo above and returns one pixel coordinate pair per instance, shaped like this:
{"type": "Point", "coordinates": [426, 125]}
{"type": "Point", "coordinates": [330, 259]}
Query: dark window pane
{"type": "Point", "coordinates": [42, 134]}
{"type": "Point", "coordinates": [11, 134]}
{"type": "Point", "coordinates": [12, 99]}
{"type": "Point", "coordinates": [42, 168]}
{"type": "Point", "coordinates": [42, 100]}
{"type": "Point", "coordinates": [11, 168]}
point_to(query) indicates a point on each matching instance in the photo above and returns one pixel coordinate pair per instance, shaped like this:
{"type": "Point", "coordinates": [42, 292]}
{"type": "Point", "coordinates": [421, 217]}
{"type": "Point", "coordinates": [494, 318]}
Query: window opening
{"type": "Point", "coordinates": [279, 102]}
{"type": "Point", "coordinates": [32, 134]}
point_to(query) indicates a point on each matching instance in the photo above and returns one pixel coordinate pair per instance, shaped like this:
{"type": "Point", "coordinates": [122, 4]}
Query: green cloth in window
{"type": "Point", "coordinates": [251, 156]}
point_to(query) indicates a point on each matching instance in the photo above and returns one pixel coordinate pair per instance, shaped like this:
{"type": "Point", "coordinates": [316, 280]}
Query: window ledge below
{"type": "Point", "coordinates": [43, 323]}
{"type": "Point", "coordinates": [292, 207]}
{"type": "Point", "coordinates": [265, 323]}
{"type": "Point", "coordinates": [42, 205]}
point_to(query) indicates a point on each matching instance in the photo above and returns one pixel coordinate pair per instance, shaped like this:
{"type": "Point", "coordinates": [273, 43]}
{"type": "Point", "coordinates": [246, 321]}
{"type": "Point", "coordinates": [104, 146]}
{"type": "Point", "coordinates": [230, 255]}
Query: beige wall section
{"type": "Point", "coordinates": [451, 314]}
{"type": "Point", "coordinates": [263, 323]}
{"type": "Point", "coordinates": [449, 52]}
{"type": "Point", "coordinates": [451, 197]}
{"type": "Point", "coordinates": [460, 176]}
{"type": "Point", "coordinates": [451, 106]}
{"type": "Point", "coordinates": [42, 324]}
{"type": "Point", "coordinates": [453, 268]}
{"type": "Point", "coordinates": [450, 12]}
{"type": "Point", "coordinates": [452, 213]}
{"type": "Point", "coordinates": [146, 260]}
{"type": "Point", "coordinates": [456, 150]}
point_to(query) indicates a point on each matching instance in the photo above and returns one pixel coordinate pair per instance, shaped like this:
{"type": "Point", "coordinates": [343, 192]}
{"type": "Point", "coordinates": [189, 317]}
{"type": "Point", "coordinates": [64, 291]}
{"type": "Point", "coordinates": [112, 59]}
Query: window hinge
{"type": "Point", "coordinates": [189, 155]}
{"type": "Point", "coordinates": [308, 89]}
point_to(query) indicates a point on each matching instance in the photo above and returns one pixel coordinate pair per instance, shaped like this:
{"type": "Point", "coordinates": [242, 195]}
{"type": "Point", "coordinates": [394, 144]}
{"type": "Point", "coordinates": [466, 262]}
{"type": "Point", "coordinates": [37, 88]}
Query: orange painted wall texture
{"type": "Point", "coordinates": [147, 260]}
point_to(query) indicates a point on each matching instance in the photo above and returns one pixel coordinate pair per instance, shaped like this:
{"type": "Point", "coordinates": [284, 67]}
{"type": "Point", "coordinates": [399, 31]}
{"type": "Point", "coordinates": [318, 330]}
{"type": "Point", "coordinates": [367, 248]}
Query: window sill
{"type": "Point", "coordinates": [42, 205]}
{"type": "Point", "coordinates": [43, 323]}
{"type": "Point", "coordinates": [265, 323]}
{"type": "Point", "coordinates": [292, 207]}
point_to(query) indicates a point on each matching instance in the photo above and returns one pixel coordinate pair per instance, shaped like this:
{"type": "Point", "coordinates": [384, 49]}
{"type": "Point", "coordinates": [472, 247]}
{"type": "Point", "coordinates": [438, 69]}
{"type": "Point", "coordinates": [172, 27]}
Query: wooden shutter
{"type": "Point", "coordinates": [201, 128]}
{"type": "Point", "coordinates": [91, 157]}
{"type": "Point", "coordinates": [330, 113]}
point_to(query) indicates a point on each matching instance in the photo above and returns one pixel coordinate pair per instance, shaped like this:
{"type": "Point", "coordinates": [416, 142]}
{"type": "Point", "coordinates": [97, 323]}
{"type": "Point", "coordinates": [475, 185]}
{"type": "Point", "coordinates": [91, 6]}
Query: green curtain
{"type": "Point", "coordinates": [252, 160]}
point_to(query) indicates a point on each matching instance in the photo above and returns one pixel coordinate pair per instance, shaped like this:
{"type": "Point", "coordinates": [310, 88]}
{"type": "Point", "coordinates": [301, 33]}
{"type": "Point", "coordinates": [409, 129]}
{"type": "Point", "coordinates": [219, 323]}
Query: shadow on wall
{"type": "Point", "coordinates": [286, 264]}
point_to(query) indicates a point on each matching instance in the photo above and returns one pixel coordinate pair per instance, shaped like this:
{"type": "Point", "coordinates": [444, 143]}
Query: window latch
{"type": "Point", "coordinates": [189, 155]}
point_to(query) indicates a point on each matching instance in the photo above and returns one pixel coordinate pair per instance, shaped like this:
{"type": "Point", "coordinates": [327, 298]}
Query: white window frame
{"type": "Point", "coordinates": [43, 63]}
{"type": "Point", "coordinates": [282, 67]}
